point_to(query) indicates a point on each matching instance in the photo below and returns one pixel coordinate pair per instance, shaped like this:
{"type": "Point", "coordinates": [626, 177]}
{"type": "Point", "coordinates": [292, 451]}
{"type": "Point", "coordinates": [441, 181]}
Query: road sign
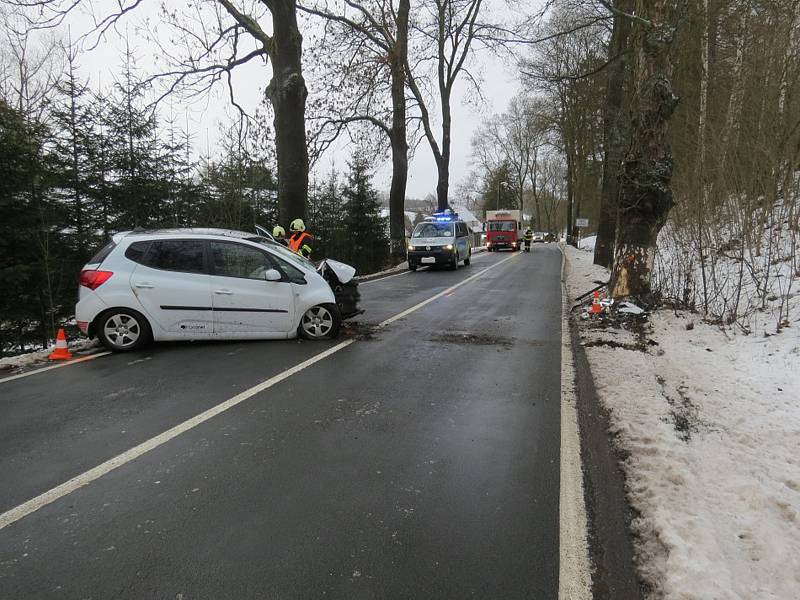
{"type": "Point", "coordinates": [581, 222]}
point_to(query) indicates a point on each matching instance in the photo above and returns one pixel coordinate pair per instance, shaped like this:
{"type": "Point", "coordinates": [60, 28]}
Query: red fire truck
{"type": "Point", "coordinates": [503, 229]}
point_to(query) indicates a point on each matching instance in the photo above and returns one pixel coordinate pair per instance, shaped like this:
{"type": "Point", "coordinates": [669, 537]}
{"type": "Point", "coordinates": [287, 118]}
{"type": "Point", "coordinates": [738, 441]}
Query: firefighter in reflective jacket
{"type": "Point", "coordinates": [279, 235]}
{"type": "Point", "coordinates": [300, 239]}
{"type": "Point", "coordinates": [528, 239]}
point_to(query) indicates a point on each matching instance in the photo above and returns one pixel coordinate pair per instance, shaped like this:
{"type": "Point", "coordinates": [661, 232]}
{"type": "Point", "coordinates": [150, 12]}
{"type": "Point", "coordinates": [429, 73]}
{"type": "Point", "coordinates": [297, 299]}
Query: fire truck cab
{"type": "Point", "coordinates": [503, 229]}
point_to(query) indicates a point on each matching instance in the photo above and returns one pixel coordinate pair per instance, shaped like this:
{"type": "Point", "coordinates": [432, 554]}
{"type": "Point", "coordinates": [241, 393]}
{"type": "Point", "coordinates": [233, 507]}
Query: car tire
{"type": "Point", "coordinates": [320, 322]}
{"type": "Point", "coordinates": [468, 259]}
{"type": "Point", "coordinates": [123, 330]}
{"type": "Point", "coordinates": [454, 262]}
{"type": "Point", "coordinates": [412, 267]}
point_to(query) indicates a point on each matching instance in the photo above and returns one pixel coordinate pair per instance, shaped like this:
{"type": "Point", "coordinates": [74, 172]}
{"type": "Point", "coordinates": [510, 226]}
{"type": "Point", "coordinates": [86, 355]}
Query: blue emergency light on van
{"type": "Point", "coordinates": [447, 215]}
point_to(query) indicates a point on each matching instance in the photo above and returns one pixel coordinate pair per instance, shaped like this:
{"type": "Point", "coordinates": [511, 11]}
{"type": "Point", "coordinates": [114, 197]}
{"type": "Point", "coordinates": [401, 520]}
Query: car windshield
{"type": "Point", "coordinates": [502, 225]}
{"type": "Point", "coordinates": [284, 252]}
{"type": "Point", "coordinates": [425, 230]}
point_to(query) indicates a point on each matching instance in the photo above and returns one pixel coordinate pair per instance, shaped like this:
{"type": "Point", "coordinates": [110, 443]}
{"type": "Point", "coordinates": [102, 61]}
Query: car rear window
{"type": "Point", "coordinates": [176, 255]}
{"type": "Point", "coordinates": [103, 253]}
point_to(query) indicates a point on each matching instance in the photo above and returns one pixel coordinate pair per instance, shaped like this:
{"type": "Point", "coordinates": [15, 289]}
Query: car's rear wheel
{"type": "Point", "coordinates": [123, 330]}
{"type": "Point", "coordinates": [321, 322]}
{"type": "Point", "coordinates": [469, 257]}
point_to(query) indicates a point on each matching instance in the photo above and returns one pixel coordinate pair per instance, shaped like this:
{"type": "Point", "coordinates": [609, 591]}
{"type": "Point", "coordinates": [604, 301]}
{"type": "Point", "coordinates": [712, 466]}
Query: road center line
{"type": "Point", "coordinates": [51, 367]}
{"type": "Point", "coordinates": [475, 256]}
{"type": "Point", "coordinates": [416, 307]}
{"type": "Point", "coordinates": [79, 481]}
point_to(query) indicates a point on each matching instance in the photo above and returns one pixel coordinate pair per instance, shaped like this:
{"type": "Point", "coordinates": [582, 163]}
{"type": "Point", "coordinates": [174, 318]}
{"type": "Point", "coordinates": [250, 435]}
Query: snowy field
{"type": "Point", "coordinates": [710, 422]}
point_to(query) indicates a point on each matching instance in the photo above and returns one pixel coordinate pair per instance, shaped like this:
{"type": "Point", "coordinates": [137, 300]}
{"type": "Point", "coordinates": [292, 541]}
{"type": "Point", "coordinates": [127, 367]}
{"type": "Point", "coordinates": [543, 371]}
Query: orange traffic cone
{"type": "Point", "coordinates": [597, 308]}
{"type": "Point", "coordinates": [61, 352]}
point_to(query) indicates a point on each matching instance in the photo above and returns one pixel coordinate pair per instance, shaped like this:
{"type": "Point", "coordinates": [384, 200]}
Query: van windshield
{"type": "Point", "coordinates": [502, 225]}
{"type": "Point", "coordinates": [424, 230]}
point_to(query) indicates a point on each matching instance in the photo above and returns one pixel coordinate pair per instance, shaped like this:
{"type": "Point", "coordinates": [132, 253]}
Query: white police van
{"type": "Point", "coordinates": [442, 239]}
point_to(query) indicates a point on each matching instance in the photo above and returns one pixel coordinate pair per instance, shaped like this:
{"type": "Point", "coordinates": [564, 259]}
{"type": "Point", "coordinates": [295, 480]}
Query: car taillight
{"type": "Point", "coordinates": [94, 279]}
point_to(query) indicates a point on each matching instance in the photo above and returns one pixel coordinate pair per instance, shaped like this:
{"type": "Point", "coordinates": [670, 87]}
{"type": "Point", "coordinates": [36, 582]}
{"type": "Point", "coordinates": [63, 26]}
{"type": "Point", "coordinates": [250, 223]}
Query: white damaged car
{"type": "Point", "coordinates": [195, 284]}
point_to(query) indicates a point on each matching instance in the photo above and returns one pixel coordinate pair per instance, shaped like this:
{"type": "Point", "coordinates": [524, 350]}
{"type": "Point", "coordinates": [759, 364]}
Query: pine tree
{"type": "Point", "coordinates": [366, 229]}
{"type": "Point", "coordinates": [134, 153]}
{"type": "Point", "coordinates": [327, 224]}
{"type": "Point", "coordinates": [74, 136]}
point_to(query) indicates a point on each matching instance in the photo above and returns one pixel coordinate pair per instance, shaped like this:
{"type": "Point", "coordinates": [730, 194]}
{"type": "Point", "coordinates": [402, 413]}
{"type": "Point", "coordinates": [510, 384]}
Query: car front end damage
{"type": "Point", "coordinates": [341, 278]}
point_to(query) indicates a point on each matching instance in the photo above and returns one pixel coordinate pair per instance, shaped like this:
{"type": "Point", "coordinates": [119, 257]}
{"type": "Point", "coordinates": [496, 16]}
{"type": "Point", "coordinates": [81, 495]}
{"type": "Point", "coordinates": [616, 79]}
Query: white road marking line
{"type": "Point", "coordinates": [383, 278]}
{"type": "Point", "coordinates": [34, 504]}
{"type": "Point", "coordinates": [416, 307]}
{"type": "Point", "coordinates": [574, 573]}
{"type": "Point", "coordinates": [58, 366]}
{"type": "Point", "coordinates": [377, 279]}
{"type": "Point", "coordinates": [23, 510]}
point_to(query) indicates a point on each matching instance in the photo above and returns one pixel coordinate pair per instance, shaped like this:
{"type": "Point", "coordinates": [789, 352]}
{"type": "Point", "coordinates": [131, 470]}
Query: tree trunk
{"type": "Point", "coordinates": [443, 185]}
{"type": "Point", "coordinates": [646, 194]}
{"type": "Point", "coordinates": [287, 94]}
{"type": "Point", "coordinates": [397, 136]}
{"type": "Point", "coordinates": [615, 135]}
{"type": "Point", "coordinates": [570, 194]}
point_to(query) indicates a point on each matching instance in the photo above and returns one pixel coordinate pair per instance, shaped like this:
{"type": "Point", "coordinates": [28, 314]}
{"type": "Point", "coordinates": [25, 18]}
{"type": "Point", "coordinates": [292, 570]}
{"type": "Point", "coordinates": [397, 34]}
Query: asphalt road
{"type": "Point", "coordinates": [421, 461]}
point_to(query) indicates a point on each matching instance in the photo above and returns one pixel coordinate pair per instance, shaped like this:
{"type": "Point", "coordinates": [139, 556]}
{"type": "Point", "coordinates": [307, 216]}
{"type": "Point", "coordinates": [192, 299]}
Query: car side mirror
{"type": "Point", "coordinates": [273, 275]}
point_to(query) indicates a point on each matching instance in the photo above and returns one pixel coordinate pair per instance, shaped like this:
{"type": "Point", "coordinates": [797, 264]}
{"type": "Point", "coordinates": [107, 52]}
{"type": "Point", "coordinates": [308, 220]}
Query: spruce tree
{"type": "Point", "coordinates": [368, 238]}
{"type": "Point", "coordinates": [73, 129]}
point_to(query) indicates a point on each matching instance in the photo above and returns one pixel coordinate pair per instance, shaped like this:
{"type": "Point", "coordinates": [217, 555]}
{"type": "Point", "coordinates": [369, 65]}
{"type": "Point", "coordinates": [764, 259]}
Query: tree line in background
{"type": "Point", "coordinates": [676, 122]}
{"type": "Point", "coordinates": [79, 164]}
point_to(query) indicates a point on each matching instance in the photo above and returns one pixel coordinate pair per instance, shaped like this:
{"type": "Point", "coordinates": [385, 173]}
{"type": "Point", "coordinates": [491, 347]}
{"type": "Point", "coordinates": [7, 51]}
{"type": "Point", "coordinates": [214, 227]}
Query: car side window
{"type": "Point", "coordinates": [292, 273]}
{"type": "Point", "coordinates": [136, 251]}
{"type": "Point", "coordinates": [238, 260]}
{"type": "Point", "coordinates": [185, 256]}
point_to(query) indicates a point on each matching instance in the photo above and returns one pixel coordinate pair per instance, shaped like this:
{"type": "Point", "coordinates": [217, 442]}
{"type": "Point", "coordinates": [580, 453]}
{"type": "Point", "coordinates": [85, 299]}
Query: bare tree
{"type": "Point", "coordinates": [448, 32]}
{"type": "Point", "coordinates": [514, 139]}
{"type": "Point", "coordinates": [616, 127]}
{"type": "Point", "coordinates": [362, 39]}
{"type": "Point", "coordinates": [646, 193]}
{"type": "Point", "coordinates": [566, 67]}
{"type": "Point", "coordinates": [211, 39]}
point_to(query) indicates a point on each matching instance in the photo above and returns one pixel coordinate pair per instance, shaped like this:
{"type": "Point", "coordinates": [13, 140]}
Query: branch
{"type": "Point", "coordinates": [248, 23]}
{"type": "Point", "coordinates": [619, 13]}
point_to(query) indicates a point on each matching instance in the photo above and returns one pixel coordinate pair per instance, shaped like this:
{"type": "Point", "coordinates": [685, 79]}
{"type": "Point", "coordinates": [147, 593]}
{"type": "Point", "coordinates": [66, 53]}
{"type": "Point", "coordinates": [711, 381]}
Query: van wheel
{"type": "Point", "coordinates": [123, 330]}
{"type": "Point", "coordinates": [412, 267]}
{"type": "Point", "coordinates": [321, 322]}
{"type": "Point", "coordinates": [467, 261]}
{"type": "Point", "coordinates": [454, 262]}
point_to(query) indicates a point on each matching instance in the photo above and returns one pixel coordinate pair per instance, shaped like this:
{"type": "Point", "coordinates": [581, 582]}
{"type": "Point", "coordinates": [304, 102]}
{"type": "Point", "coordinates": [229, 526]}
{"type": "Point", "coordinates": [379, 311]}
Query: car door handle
{"type": "Point", "coordinates": [224, 292]}
{"type": "Point", "coordinates": [148, 286]}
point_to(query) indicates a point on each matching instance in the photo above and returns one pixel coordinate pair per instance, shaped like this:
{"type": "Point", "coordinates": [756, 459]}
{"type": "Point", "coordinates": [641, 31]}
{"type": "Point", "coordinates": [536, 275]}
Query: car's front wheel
{"type": "Point", "coordinates": [123, 330]}
{"type": "Point", "coordinates": [321, 322]}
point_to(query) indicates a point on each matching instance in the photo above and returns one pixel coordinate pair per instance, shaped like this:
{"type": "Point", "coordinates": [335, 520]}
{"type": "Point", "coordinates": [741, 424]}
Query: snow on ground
{"type": "Point", "coordinates": [30, 359]}
{"type": "Point", "coordinates": [710, 422]}
{"type": "Point", "coordinates": [587, 243]}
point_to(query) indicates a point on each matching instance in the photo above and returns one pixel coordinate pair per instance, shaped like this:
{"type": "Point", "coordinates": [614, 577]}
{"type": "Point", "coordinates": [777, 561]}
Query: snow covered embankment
{"type": "Point", "coordinates": [710, 425]}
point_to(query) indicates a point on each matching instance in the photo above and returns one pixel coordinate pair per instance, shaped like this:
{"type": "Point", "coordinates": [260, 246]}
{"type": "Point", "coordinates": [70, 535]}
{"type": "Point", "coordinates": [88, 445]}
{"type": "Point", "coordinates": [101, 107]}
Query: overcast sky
{"type": "Point", "coordinates": [499, 85]}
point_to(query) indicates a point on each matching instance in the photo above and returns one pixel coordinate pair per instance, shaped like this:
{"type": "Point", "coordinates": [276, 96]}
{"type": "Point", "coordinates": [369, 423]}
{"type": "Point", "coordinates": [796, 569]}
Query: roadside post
{"type": "Point", "coordinates": [580, 223]}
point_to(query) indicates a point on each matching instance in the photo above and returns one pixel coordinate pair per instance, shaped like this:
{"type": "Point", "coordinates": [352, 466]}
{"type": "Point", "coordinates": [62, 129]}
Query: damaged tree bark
{"type": "Point", "coordinates": [615, 136]}
{"type": "Point", "coordinates": [645, 185]}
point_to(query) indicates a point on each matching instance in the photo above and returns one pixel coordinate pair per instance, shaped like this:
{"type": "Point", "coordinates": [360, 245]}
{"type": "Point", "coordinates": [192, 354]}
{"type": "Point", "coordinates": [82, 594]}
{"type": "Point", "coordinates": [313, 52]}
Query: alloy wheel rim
{"type": "Point", "coordinates": [122, 330]}
{"type": "Point", "coordinates": [317, 322]}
